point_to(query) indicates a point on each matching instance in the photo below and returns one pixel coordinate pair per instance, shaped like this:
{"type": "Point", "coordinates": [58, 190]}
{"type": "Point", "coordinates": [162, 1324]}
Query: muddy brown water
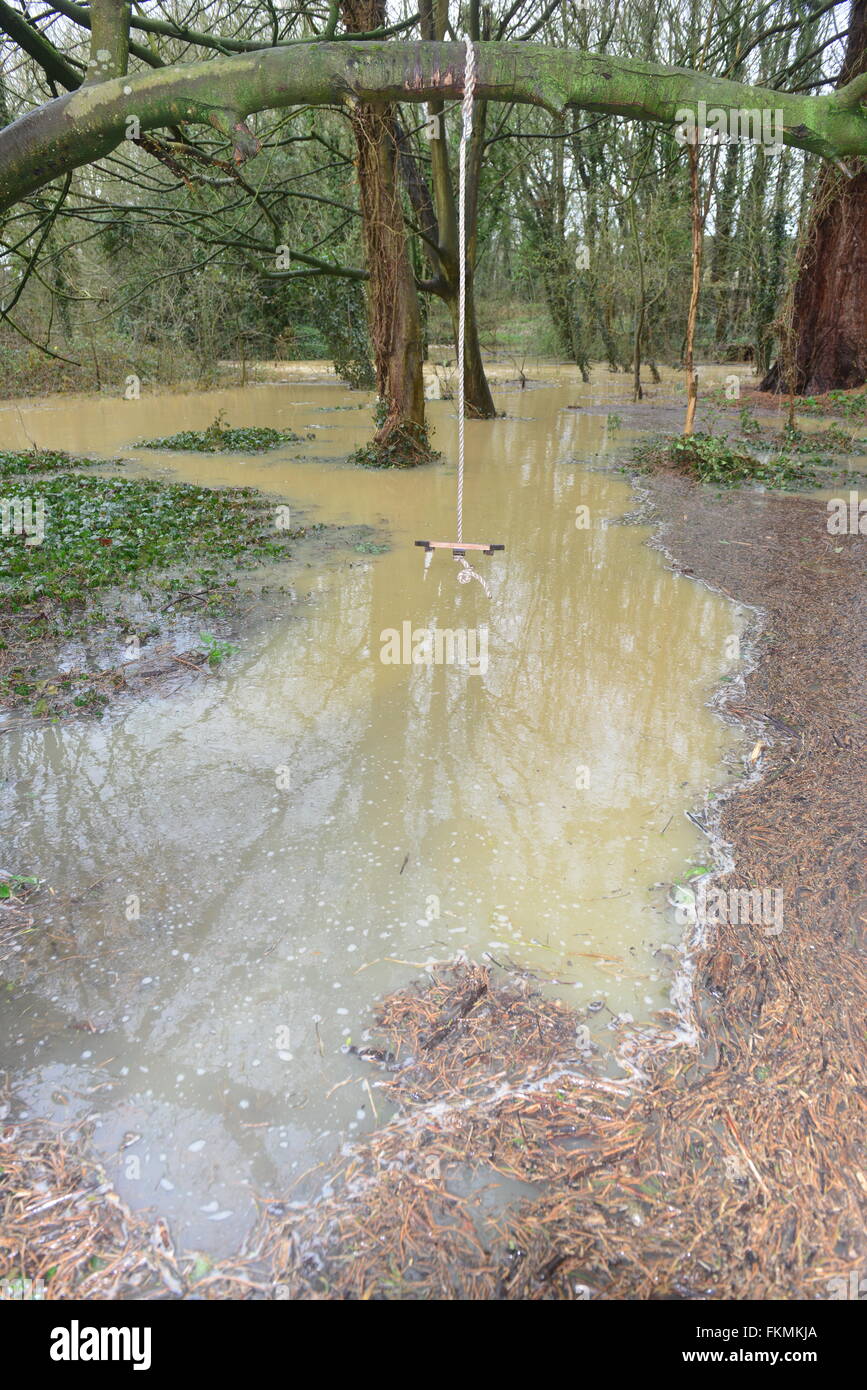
{"type": "Point", "coordinates": [243, 867]}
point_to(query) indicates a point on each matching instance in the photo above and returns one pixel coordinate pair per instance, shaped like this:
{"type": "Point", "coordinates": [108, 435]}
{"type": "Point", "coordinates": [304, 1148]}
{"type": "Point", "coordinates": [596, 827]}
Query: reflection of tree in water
{"type": "Point", "coordinates": [591, 646]}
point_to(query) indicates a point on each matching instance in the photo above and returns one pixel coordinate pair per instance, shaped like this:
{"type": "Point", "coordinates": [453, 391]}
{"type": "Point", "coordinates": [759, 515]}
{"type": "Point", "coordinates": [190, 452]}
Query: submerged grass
{"type": "Point", "coordinates": [222, 438]}
{"type": "Point", "coordinates": [104, 531]}
{"type": "Point", "coordinates": [68, 541]}
{"type": "Point", "coordinates": [23, 461]}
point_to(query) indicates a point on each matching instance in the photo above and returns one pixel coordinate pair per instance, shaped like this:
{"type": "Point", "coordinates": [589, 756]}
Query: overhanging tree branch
{"type": "Point", "coordinates": [87, 124]}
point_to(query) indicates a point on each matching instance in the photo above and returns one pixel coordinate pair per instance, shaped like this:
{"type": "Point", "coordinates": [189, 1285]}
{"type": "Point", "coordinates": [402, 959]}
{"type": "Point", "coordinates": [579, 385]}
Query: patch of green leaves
{"type": "Point", "coordinates": [750, 427]}
{"type": "Point", "coordinates": [853, 407]}
{"type": "Point", "coordinates": [101, 532]}
{"type": "Point", "coordinates": [222, 438]}
{"type": "Point", "coordinates": [13, 885]}
{"type": "Point", "coordinates": [711, 459]}
{"type": "Point", "coordinates": [215, 649]}
{"type": "Point", "coordinates": [833, 440]}
{"type": "Point", "coordinates": [17, 461]}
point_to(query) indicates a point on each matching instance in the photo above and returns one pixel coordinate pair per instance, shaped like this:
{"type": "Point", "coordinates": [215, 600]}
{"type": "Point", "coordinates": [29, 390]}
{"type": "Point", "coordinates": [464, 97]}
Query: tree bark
{"type": "Point", "coordinates": [823, 345]}
{"type": "Point", "coordinates": [697, 223]}
{"type": "Point", "coordinates": [395, 322]}
{"type": "Point", "coordinates": [439, 220]}
{"type": "Point", "coordinates": [640, 307]}
{"type": "Point", "coordinates": [109, 39]}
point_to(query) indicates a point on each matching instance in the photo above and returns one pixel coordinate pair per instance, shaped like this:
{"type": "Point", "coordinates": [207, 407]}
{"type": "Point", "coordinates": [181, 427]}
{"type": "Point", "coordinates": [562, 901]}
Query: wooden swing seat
{"type": "Point", "coordinates": [459, 547]}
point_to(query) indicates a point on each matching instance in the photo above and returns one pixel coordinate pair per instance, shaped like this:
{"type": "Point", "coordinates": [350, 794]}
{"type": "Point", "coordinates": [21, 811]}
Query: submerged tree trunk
{"type": "Point", "coordinates": [823, 340]}
{"type": "Point", "coordinates": [477, 392]}
{"type": "Point", "coordinates": [478, 401]}
{"type": "Point", "coordinates": [440, 246]}
{"type": "Point", "coordinates": [395, 321]}
{"type": "Point", "coordinates": [437, 215]}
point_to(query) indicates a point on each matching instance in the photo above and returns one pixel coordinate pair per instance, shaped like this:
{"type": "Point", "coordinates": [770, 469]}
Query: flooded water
{"type": "Point", "coordinates": [243, 867]}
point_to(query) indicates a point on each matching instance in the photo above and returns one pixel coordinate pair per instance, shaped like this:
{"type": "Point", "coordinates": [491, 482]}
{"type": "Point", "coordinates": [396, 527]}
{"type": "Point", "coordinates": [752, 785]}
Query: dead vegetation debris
{"type": "Point", "coordinates": [64, 1232]}
{"type": "Point", "coordinates": [737, 1178]}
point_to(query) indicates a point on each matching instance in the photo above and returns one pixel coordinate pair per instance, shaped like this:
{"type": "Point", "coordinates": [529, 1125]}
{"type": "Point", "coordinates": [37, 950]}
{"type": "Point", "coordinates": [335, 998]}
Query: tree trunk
{"type": "Point", "coordinates": [723, 246]}
{"type": "Point", "coordinates": [477, 392]}
{"type": "Point", "coordinates": [438, 218]}
{"type": "Point", "coordinates": [695, 290]}
{"type": "Point", "coordinates": [640, 307]}
{"type": "Point", "coordinates": [823, 346]}
{"type": "Point", "coordinates": [395, 322]}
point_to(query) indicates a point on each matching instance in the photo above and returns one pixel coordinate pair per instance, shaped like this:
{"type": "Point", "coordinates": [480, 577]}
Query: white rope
{"type": "Point", "coordinates": [467, 573]}
{"type": "Point", "coordinates": [466, 132]}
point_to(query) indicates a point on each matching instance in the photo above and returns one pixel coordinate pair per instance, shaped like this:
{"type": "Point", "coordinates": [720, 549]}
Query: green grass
{"type": "Point", "coordinates": [221, 438]}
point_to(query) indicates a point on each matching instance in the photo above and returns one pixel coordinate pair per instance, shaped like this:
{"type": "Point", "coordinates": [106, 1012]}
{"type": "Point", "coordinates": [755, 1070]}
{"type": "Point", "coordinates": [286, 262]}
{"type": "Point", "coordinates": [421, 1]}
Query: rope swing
{"type": "Point", "coordinates": [460, 546]}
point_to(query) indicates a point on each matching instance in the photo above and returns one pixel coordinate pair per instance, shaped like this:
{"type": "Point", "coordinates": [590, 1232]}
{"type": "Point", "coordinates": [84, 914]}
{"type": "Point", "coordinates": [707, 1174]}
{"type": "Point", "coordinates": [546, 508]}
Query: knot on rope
{"type": "Point", "coordinates": [467, 573]}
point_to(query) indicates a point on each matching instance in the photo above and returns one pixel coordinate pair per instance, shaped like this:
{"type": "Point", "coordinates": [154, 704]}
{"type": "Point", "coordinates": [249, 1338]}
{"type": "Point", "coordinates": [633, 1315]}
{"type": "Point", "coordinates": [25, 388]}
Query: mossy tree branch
{"type": "Point", "coordinates": [85, 125]}
{"type": "Point", "coordinates": [109, 39]}
{"type": "Point", "coordinates": [38, 47]}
